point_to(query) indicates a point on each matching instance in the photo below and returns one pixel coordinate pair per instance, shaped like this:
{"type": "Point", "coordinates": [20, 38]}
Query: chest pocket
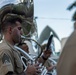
{"type": "Point", "coordinates": [18, 63]}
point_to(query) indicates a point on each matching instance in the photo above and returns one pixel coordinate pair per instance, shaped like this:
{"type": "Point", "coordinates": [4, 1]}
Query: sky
{"type": "Point", "coordinates": [54, 13]}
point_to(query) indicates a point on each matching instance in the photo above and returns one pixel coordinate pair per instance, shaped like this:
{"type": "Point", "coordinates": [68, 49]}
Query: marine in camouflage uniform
{"type": "Point", "coordinates": [10, 61]}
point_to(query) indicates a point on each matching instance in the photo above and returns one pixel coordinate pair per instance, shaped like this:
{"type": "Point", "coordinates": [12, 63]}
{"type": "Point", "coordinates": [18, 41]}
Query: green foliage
{"type": "Point", "coordinates": [72, 6]}
{"type": "Point", "coordinates": [74, 17]}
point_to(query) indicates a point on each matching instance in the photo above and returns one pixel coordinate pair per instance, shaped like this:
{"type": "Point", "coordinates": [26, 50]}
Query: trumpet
{"type": "Point", "coordinates": [25, 56]}
{"type": "Point", "coordinates": [23, 37]}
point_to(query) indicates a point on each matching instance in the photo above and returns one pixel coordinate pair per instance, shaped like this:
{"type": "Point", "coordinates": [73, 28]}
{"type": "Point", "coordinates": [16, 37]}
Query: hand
{"type": "Point", "coordinates": [33, 69]}
{"type": "Point", "coordinates": [46, 53]}
{"type": "Point", "coordinates": [51, 67]}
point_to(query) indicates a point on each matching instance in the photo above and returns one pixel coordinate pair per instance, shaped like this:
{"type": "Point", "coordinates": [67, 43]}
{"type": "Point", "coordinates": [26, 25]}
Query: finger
{"type": "Point", "coordinates": [38, 71]}
{"type": "Point", "coordinates": [38, 67]}
{"type": "Point", "coordinates": [37, 64]}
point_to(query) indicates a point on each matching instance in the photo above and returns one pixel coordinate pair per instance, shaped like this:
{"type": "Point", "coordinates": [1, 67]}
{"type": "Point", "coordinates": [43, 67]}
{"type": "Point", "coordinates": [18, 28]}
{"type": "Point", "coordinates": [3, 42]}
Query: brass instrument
{"type": "Point", "coordinates": [25, 56]}
{"type": "Point", "coordinates": [29, 59]}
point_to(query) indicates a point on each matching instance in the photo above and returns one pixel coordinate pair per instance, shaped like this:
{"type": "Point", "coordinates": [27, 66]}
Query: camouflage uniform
{"type": "Point", "coordinates": [67, 61]}
{"type": "Point", "coordinates": [9, 59]}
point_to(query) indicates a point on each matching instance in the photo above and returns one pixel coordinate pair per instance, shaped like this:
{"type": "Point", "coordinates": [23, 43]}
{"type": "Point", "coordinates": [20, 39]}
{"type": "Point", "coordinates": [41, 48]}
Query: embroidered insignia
{"type": "Point", "coordinates": [5, 59]}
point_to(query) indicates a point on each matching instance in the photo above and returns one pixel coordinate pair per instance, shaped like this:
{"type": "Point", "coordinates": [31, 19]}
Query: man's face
{"type": "Point", "coordinates": [25, 48]}
{"type": "Point", "coordinates": [16, 33]}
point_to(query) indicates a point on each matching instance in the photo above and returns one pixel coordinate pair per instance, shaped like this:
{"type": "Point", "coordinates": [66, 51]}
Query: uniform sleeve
{"type": "Point", "coordinates": [5, 64]}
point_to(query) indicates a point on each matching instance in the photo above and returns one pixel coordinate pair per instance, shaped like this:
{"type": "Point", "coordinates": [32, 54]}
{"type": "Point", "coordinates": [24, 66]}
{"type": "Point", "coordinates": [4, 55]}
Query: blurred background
{"type": "Point", "coordinates": [48, 17]}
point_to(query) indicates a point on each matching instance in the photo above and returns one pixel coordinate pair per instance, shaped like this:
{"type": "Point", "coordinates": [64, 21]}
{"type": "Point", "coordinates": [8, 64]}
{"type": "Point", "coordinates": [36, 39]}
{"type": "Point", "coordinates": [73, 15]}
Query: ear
{"type": "Point", "coordinates": [10, 29]}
